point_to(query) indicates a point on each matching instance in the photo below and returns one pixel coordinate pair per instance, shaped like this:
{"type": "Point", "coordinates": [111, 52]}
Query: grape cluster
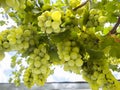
{"type": "Point", "coordinates": [17, 39]}
{"type": "Point", "coordinates": [68, 52]}
{"type": "Point", "coordinates": [50, 21]}
{"type": "Point", "coordinates": [16, 4]}
{"type": "Point", "coordinates": [28, 78]}
{"type": "Point", "coordinates": [114, 61]}
{"type": "Point", "coordinates": [39, 66]}
{"type": "Point", "coordinates": [96, 18]}
{"type": "Point", "coordinates": [98, 75]}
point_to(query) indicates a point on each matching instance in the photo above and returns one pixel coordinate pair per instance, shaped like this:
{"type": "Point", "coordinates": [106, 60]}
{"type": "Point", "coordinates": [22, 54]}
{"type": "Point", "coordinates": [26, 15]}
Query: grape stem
{"type": "Point", "coordinates": [81, 5]}
{"type": "Point", "coordinates": [113, 30]}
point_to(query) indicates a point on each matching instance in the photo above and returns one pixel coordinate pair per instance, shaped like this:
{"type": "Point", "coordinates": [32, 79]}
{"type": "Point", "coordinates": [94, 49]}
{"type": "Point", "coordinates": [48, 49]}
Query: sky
{"type": "Point", "coordinates": [59, 74]}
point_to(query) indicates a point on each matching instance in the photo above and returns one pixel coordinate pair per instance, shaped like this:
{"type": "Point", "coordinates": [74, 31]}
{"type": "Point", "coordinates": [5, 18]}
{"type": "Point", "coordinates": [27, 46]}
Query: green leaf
{"type": "Point", "coordinates": [46, 1]}
{"type": "Point", "coordinates": [115, 50]}
{"type": "Point", "coordinates": [54, 58]}
{"type": "Point", "coordinates": [85, 17]}
{"type": "Point", "coordinates": [106, 30]}
{"type": "Point", "coordinates": [95, 54]}
{"type": "Point", "coordinates": [60, 37]}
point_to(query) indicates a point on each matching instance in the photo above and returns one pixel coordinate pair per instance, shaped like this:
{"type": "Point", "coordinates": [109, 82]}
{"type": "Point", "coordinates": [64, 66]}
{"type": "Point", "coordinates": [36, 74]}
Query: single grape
{"type": "Point", "coordinates": [56, 15]}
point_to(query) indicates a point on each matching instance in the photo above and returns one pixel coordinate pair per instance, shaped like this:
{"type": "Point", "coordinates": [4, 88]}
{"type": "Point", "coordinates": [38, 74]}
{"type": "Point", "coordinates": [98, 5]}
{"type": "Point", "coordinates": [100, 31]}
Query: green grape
{"type": "Point", "coordinates": [73, 55]}
{"type": "Point", "coordinates": [40, 23]}
{"type": "Point", "coordinates": [43, 69]}
{"type": "Point", "coordinates": [26, 45]}
{"type": "Point", "coordinates": [67, 43]}
{"type": "Point", "coordinates": [75, 49]}
{"type": "Point", "coordinates": [55, 25]}
{"type": "Point", "coordinates": [93, 11]}
{"type": "Point", "coordinates": [41, 54]}
{"type": "Point", "coordinates": [58, 30]}
{"type": "Point", "coordinates": [68, 49]}
{"type": "Point", "coordinates": [101, 19]}
{"type": "Point", "coordinates": [94, 86]}
{"type": "Point", "coordinates": [5, 44]}
{"type": "Point", "coordinates": [2, 55]}
{"type": "Point", "coordinates": [67, 57]}
{"type": "Point", "coordinates": [71, 63]}
{"type": "Point", "coordinates": [36, 71]}
{"type": "Point", "coordinates": [42, 18]}
{"type": "Point", "coordinates": [37, 63]}
{"type": "Point", "coordinates": [32, 42]}
{"type": "Point", "coordinates": [66, 67]}
{"type": "Point", "coordinates": [78, 62]}
{"type": "Point", "coordinates": [48, 23]}
{"type": "Point", "coordinates": [27, 33]}
{"type": "Point", "coordinates": [44, 61]}
{"type": "Point", "coordinates": [56, 15]}
{"type": "Point", "coordinates": [46, 57]}
{"type": "Point", "coordinates": [36, 51]}
{"type": "Point", "coordinates": [49, 30]}
{"type": "Point", "coordinates": [12, 41]}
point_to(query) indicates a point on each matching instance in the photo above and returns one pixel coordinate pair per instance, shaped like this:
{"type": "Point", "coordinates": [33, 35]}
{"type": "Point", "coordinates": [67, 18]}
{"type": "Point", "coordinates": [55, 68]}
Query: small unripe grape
{"type": "Point", "coordinates": [55, 25]}
{"type": "Point", "coordinates": [79, 62]}
{"type": "Point", "coordinates": [41, 54]}
{"type": "Point", "coordinates": [71, 63]}
{"type": "Point", "coordinates": [41, 18]}
{"type": "Point", "coordinates": [27, 32]}
{"type": "Point", "coordinates": [41, 24]}
{"type": "Point", "coordinates": [67, 57]}
{"type": "Point", "coordinates": [56, 15]}
{"type": "Point", "coordinates": [43, 69]}
{"type": "Point", "coordinates": [5, 44]}
{"type": "Point", "coordinates": [102, 19]}
{"type": "Point", "coordinates": [36, 71]}
{"type": "Point", "coordinates": [67, 43]}
{"type": "Point", "coordinates": [57, 30]}
{"type": "Point", "coordinates": [48, 23]}
{"type": "Point", "coordinates": [36, 51]}
{"type": "Point", "coordinates": [47, 57]}
{"type": "Point", "coordinates": [12, 41]}
{"type": "Point", "coordinates": [26, 45]}
{"type": "Point", "coordinates": [37, 63]}
{"type": "Point", "coordinates": [66, 67]}
{"type": "Point", "coordinates": [73, 55]}
{"type": "Point", "coordinates": [75, 49]}
{"type": "Point", "coordinates": [49, 30]}
{"type": "Point", "coordinates": [93, 11]}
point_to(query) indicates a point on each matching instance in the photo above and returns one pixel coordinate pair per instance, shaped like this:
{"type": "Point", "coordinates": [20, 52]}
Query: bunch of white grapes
{"type": "Point", "coordinates": [16, 39]}
{"type": "Point", "coordinates": [39, 66]}
{"type": "Point", "coordinates": [96, 18]}
{"type": "Point", "coordinates": [97, 74]}
{"type": "Point", "coordinates": [50, 21]}
{"type": "Point", "coordinates": [68, 52]}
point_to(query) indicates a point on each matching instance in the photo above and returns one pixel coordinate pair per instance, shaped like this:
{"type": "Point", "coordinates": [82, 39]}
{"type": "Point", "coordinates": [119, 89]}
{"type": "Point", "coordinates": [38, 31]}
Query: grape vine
{"type": "Point", "coordinates": [70, 33]}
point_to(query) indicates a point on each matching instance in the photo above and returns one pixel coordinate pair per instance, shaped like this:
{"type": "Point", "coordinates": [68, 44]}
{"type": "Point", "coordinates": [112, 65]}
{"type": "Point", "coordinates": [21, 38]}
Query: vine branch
{"type": "Point", "coordinates": [81, 5]}
{"type": "Point", "coordinates": [113, 30]}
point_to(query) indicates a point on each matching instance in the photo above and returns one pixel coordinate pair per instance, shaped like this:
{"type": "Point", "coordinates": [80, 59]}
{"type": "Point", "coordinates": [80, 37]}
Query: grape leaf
{"type": "Point", "coordinates": [95, 54]}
